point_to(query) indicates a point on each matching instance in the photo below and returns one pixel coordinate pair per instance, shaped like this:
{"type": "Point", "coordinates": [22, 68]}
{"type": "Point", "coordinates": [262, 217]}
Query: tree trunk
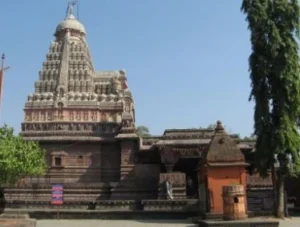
{"type": "Point", "coordinates": [273, 172]}
{"type": "Point", "coordinates": [280, 206]}
{"type": "Point", "coordinates": [2, 200]}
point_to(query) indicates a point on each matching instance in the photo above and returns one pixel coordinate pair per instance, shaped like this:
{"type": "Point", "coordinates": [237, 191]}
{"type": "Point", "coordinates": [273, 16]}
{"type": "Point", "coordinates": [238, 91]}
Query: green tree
{"type": "Point", "coordinates": [210, 126]}
{"type": "Point", "coordinates": [142, 131]}
{"type": "Point", "coordinates": [275, 81]}
{"type": "Point", "coordinates": [19, 158]}
{"type": "Point", "coordinates": [251, 137]}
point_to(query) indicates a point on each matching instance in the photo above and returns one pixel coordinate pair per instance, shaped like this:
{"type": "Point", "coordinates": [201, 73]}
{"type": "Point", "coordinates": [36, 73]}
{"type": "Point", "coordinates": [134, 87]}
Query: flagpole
{"type": "Point", "coordinates": [1, 79]}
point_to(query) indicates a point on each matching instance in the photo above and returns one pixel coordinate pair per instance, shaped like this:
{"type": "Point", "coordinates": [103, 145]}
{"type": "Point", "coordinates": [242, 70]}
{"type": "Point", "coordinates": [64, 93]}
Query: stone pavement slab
{"type": "Point", "coordinates": [114, 223]}
{"type": "Point", "coordinates": [17, 223]}
{"type": "Point", "coordinates": [289, 222]}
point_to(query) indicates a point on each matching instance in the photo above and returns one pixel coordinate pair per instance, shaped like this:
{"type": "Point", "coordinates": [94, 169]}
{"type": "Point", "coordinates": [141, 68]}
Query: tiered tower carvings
{"type": "Point", "coordinates": [71, 99]}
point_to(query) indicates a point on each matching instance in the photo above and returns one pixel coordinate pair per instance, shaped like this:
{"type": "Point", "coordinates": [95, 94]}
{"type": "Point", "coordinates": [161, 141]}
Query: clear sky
{"type": "Point", "coordinates": [186, 60]}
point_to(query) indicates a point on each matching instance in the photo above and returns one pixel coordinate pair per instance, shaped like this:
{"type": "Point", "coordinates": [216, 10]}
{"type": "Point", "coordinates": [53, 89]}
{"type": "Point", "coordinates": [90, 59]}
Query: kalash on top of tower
{"type": "Point", "coordinates": [71, 100]}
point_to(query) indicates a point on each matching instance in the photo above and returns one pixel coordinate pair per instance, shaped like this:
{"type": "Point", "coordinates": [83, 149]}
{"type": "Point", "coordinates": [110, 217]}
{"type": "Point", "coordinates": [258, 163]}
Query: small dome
{"type": "Point", "coordinates": [70, 23]}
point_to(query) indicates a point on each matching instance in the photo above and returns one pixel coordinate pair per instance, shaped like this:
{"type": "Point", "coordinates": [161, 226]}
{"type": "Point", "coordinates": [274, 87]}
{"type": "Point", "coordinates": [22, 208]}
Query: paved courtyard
{"type": "Point", "coordinates": [293, 222]}
{"type": "Point", "coordinates": [114, 223]}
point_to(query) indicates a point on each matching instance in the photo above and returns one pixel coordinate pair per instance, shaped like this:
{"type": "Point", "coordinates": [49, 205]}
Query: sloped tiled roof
{"type": "Point", "coordinates": [223, 148]}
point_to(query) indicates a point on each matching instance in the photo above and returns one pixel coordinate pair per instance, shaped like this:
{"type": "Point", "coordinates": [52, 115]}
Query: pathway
{"type": "Point", "coordinates": [290, 222]}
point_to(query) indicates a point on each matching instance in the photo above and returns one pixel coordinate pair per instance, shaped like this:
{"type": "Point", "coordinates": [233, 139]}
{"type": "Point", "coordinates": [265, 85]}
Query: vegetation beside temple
{"type": "Point", "coordinates": [142, 131]}
{"type": "Point", "coordinates": [275, 81]}
{"type": "Point", "coordinates": [18, 157]}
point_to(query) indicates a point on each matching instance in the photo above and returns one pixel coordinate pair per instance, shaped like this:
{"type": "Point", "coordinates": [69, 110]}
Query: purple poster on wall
{"type": "Point", "coordinates": [57, 194]}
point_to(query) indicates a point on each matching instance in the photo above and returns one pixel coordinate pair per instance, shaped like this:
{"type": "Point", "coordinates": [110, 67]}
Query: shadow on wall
{"type": "Point", "coordinates": [103, 175]}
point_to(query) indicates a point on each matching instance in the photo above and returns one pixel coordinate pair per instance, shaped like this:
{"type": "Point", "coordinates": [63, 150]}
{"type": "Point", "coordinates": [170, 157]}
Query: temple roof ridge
{"type": "Point", "coordinates": [223, 148]}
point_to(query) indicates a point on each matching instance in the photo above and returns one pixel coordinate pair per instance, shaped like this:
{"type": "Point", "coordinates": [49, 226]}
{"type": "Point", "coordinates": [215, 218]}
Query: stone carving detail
{"type": "Point", "coordinates": [172, 154]}
{"type": "Point", "coordinates": [125, 159]}
{"type": "Point", "coordinates": [88, 98]}
{"type": "Point", "coordinates": [96, 128]}
{"type": "Point", "coordinates": [127, 108]}
{"type": "Point", "coordinates": [188, 151]}
{"type": "Point", "coordinates": [174, 178]}
{"type": "Point", "coordinates": [128, 124]}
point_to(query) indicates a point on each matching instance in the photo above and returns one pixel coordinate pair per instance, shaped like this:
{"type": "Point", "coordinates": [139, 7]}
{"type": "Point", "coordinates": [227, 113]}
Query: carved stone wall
{"type": "Point", "coordinates": [69, 129]}
{"type": "Point", "coordinates": [147, 180]}
{"type": "Point", "coordinates": [81, 162]}
{"type": "Point", "coordinates": [128, 150]}
{"type": "Point", "coordinates": [110, 162]}
{"type": "Point", "coordinates": [72, 115]}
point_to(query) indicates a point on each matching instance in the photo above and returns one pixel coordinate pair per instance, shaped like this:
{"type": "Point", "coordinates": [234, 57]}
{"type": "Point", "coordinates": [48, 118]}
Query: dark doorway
{"type": "Point", "coordinates": [188, 166]}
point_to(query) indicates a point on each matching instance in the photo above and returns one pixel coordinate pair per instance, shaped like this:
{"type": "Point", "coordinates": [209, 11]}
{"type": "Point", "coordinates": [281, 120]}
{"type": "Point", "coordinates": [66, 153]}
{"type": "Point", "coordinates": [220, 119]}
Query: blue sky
{"type": "Point", "coordinates": [186, 61]}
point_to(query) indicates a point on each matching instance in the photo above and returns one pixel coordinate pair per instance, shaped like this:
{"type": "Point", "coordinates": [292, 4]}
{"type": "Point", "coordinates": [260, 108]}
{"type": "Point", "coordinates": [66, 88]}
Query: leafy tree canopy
{"type": "Point", "coordinates": [142, 131]}
{"type": "Point", "coordinates": [18, 157]}
{"type": "Point", "coordinates": [275, 80]}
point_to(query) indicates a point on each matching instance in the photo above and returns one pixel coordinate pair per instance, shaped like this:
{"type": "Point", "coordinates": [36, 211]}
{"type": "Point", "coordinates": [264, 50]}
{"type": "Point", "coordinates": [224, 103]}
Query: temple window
{"type": "Point", "coordinates": [58, 158]}
{"type": "Point", "coordinates": [94, 116]}
{"type": "Point", "coordinates": [71, 116]}
{"type": "Point", "coordinates": [57, 161]}
{"type": "Point", "coordinates": [85, 115]}
{"type": "Point", "coordinates": [78, 115]}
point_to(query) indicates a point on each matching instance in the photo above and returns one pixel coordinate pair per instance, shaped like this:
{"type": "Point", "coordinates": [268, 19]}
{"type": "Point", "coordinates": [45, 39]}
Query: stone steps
{"type": "Point", "coordinates": [14, 216]}
{"type": "Point", "coordinates": [17, 223]}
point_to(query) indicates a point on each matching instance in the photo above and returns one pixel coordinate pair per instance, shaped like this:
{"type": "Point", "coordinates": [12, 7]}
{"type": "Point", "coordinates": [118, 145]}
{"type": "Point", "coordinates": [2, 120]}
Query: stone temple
{"type": "Point", "coordinates": [85, 119]}
{"type": "Point", "coordinates": [78, 114]}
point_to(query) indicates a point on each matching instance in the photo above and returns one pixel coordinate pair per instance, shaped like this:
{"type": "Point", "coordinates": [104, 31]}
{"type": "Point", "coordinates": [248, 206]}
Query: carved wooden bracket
{"type": "Point", "coordinates": [173, 154]}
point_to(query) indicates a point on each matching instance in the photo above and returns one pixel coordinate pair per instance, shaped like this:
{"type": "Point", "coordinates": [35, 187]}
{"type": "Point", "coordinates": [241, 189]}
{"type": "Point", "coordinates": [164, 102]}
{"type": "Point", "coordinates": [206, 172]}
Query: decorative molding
{"type": "Point", "coordinates": [172, 154]}
{"type": "Point", "coordinates": [70, 128]}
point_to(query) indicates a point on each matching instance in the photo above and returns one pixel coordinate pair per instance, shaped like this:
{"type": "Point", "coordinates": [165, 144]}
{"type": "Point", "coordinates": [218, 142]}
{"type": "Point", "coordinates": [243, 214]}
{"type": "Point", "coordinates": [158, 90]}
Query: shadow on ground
{"type": "Point", "coordinates": [161, 222]}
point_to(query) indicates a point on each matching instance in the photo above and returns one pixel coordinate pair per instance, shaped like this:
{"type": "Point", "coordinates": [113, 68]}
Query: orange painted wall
{"type": "Point", "coordinates": [219, 177]}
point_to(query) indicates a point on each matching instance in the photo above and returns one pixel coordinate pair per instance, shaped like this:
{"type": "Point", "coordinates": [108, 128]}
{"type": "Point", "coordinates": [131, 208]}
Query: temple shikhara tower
{"type": "Point", "coordinates": [85, 120]}
{"type": "Point", "coordinates": [72, 103]}
{"type": "Point", "coordinates": [71, 98]}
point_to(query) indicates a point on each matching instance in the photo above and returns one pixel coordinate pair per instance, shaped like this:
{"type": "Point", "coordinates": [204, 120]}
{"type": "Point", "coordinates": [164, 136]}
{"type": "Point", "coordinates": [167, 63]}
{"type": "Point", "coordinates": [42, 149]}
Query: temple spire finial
{"type": "Point", "coordinates": [219, 126]}
{"type": "Point", "coordinates": [70, 10]}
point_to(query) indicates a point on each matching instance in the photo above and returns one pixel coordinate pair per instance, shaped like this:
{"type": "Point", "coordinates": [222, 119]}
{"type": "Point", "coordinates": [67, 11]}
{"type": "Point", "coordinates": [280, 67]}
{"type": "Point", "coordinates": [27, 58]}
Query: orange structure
{"type": "Point", "coordinates": [234, 202]}
{"type": "Point", "coordinates": [224, 164]}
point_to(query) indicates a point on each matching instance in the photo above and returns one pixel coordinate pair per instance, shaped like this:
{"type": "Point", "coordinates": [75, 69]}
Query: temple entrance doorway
{"type": "Point", "coordinates": [189, 166]}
